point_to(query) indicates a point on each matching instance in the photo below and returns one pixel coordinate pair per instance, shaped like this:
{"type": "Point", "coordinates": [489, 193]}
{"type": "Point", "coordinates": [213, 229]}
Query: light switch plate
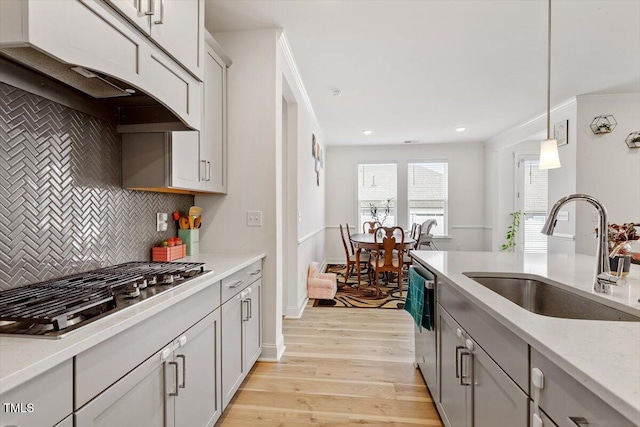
{"type": "Point", "coordinates": [254, 218]}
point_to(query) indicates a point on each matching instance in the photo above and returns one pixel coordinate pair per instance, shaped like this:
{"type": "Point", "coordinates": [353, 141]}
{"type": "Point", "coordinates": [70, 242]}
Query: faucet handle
{"type": "Point", "coordinates": [610, 279]}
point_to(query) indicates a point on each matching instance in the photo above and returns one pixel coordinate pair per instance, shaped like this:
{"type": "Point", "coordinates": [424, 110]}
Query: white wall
{"type": "Point", "coordinates": [309, 215]}
{"type": "Point", "coordinates": [466, 189]}
{"type": "Point", "coordinates": [251, 170]}
{"type": "Point", "coordinates": [606, 168]}
{"type": "Point", "coordinates": [500, 178]}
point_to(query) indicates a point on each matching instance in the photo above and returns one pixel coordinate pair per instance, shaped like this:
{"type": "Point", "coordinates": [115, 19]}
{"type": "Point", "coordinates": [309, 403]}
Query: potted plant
{"type": "Point", "coordinates": [382, 216]}
{"type": "Point", "coordinates": [512, 231]}
{"type": "Point", "coordinates": [620, 238]}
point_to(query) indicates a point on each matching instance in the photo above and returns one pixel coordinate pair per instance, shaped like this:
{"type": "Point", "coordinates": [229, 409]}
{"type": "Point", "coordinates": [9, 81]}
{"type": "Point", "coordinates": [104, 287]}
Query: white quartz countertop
{"type": "Point", "coordinates": [604, 356]}
{"type": "Point", "coordinates": [22, 359]}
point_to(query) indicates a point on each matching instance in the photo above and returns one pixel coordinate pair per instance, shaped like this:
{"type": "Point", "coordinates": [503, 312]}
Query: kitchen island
{"type": "Point", "coordinates": [602, 356]}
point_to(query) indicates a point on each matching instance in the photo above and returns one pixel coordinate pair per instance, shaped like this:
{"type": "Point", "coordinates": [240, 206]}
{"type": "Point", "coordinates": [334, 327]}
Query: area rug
{"type": "Point", "coordinates": [364, 296]}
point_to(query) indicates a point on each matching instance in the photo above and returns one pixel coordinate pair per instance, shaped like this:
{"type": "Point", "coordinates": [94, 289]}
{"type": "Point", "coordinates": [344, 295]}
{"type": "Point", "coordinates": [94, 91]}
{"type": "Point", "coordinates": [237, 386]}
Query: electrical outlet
{"type": "Point", "coordinates": [254, 218]}
{"type": "Point", "coordinates": [161, 221]}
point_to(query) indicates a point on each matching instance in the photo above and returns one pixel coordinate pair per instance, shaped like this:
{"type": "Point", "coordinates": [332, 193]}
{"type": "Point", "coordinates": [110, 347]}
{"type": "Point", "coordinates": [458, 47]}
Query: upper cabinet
{"type": "Point", "coordinates": [214, 125]}
{"type": "Point", "coordinates": [88, 45]}
{"type": "Point", "coordinates": [185, 161]}
{"type": "Point", "coordinates": [177, 26]}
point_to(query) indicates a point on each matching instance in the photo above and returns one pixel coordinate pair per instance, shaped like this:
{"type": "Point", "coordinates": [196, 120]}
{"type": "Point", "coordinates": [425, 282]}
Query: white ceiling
{"type": "Point", "coordinates": [416, 70]}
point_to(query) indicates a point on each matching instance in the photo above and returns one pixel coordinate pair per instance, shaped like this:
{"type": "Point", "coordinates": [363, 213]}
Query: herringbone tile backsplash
{"type": "Point", "coordinates": [62, 208]}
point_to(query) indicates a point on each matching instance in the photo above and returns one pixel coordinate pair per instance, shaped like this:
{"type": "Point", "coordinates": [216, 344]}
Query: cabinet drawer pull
{"type": "Point", "coordinates": [184, 369]}
{"type": "Point", "coordinates": [255, 273]}
{"type": "Point", "coordinates": [159, 21]}
{"type": "Point", "coordinates": [250, 308]}
{"type": "Point", "coordinates": [235, 284]}
{"type": "Point", "coordinates": [458, 348]}
{"type": "Point", "coordinates": [579, 421]}
{"type": "Point", "coordinates": [175, 393]}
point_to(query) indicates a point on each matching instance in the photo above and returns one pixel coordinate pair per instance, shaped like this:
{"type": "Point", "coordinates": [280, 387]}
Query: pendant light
{"type": "Point", "coordinates": [549, 158]}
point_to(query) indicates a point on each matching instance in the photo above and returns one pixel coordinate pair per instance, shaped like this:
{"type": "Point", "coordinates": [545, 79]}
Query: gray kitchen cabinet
{"type": "Point", "coordinates": [177, 26]}
{"type": "Point", "coordinates": [177, 386]}
{"type": "Point", "coordinates": [67, 422]}
{"type": "Point", "coordinates": [41, 402]}
{"type": "Point", "coordinates": [136, 400]}
{"type": "Point", "coordinates": [453, 399]}
{"type": "Point", "coordinates": [213, 158]}
{"type": "Point", "coordinates": [241, 328]}
{"type": "Point", "coordinates": [184, 161]}
{"type": "Point", "coordinates": [570, 404]}
{"type": "Point", "coordinates": [474, 391]}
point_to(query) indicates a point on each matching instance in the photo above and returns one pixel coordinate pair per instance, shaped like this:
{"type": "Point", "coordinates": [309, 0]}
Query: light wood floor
{"type": "Point", "coordinates": [341, 367]}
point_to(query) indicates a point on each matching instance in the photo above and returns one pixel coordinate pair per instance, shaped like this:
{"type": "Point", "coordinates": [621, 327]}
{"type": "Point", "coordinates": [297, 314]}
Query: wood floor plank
{"type": "Point", "coordinates": [341, 367]}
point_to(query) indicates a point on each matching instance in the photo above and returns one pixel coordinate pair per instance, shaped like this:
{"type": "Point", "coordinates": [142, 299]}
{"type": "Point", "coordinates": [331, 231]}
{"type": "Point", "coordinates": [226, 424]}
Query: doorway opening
{"type": "Point", "coordinates": [532, 195]}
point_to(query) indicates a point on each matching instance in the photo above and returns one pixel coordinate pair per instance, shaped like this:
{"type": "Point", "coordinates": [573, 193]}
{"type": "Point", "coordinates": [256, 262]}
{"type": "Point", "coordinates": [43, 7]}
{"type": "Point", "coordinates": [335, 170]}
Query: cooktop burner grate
{"type": "Point", "coordinates": [78, 298]}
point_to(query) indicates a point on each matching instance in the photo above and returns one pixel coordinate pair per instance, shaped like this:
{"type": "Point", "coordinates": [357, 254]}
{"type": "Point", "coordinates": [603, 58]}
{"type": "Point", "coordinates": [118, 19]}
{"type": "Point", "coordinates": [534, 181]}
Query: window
{"type": "Point", "coordinates": [377, 193]}
{"type": "Point", "coordinates": [533, 196]}
{"type": "Point", "coordinates": [428, 194]}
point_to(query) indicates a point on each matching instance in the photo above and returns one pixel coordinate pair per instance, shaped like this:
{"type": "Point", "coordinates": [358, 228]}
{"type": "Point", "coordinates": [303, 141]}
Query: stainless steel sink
{"type": "Point", "coordinates": [549, 300]}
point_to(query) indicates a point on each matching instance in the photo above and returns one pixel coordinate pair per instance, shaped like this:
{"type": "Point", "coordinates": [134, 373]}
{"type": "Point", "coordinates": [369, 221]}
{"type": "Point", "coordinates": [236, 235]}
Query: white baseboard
{"type": "Point", "coordinates": [273, 353]}
{"type": "Point", "coordinates": [296, 312]}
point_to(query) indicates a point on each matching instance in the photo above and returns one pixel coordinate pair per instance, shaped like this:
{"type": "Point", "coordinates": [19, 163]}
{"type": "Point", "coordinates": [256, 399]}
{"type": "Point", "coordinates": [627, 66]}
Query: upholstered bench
{"type": "Point", "coordinates": [321, 285]}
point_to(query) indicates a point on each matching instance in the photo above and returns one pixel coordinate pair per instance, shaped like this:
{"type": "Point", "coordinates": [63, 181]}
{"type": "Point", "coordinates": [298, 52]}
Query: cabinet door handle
{"type": "Point", "coordinates": [151, 8]}
{"type": "Point", "coordinates": [255, 273]}
{"type": "Point", "coordinates": [250, 308]}
{"type": "Point", "coordinates": [159, 21]}
{"type": "Point", "coordinates": [184, 369]}
{"type": "Point", "coordinates": [236, 284]}
{"type": "Point", "coordinates": [208, 171]}
{"type": "Point", "coordinates": [463, 377]}
{"type": "Point", "coordinates": [245, 316]}
{"type": "Point", "coordinates": [458, 348]}
{"type": "Point", "coordinates": [203, 170]}
{"type": "Point", "coordinates": [175, 393]}
{"type": "Point", "coordinates": [579, 421]}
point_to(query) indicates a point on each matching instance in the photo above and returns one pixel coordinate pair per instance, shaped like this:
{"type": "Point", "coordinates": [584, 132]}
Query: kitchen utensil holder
{"type": "Point", "coordinates": [192, 239]}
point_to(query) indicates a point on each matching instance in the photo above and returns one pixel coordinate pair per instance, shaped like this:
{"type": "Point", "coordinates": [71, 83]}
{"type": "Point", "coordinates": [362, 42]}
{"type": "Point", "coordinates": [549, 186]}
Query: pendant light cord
{"type": "Point", "coordinates": [549, 75]}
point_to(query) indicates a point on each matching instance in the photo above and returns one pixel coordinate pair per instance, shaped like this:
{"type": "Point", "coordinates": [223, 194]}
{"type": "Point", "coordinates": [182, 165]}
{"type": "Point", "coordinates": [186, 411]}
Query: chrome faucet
{"type": "Point", "coordinates": [603, 279]}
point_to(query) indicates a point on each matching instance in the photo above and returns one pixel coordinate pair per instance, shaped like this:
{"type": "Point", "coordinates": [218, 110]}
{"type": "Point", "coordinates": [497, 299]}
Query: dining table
{"type": "Point", "coordinates": [366, 241]}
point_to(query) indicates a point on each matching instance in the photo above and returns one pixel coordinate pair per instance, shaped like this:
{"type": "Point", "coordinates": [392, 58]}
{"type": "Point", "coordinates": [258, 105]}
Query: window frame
{"type": "Point", "coordinates": [447, 226]}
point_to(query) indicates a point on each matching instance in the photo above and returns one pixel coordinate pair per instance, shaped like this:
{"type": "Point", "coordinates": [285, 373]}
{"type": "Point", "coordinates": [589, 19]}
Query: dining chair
{"type": "Point", "coordinates": [370, 226]}
{"type": "Point", "coordinates": [386, 256]}
{"type": "Point", "coordinates": [353, 251]}
{"type": "Point", "coordinates": [351, 258]}
{"type": "Point", "coordinates": [426, 238]}
{"type": "Point", "coordinates": [416, 230]}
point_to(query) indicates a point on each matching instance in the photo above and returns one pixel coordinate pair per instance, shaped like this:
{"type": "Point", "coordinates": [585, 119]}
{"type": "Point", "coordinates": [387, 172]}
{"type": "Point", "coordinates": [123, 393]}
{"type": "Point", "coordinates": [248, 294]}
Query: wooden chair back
{"type": "Point", "coordinates": [370, 226]}
{"type": "Point", "coordinates": [344, 242]}
{"type": "Point", "coordinates": [386, 239]}
{"type": "Point", "coordinates": [353, 251]}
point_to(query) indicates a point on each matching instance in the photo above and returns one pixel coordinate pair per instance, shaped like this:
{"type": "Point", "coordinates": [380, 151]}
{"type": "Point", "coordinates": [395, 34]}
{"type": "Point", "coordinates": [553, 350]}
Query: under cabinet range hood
{"type": "Point", "coordinates": [90, 49]}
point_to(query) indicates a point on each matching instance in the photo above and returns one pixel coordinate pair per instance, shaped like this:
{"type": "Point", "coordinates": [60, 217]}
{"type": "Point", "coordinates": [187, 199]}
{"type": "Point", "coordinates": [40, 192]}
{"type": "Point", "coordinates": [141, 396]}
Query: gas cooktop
{"type": "Point", "coordinates": [54, 308]}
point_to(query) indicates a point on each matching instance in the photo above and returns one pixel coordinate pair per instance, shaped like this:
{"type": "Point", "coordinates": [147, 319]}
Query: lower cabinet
{"type": "Point", "coordinates": [42, 401]}
{"type": "Point", "coordinates": [177, 386]}
{"type": "Point", "coordinates": [241, 335]}
{"type": "Point", "coordinates": [474, 391]}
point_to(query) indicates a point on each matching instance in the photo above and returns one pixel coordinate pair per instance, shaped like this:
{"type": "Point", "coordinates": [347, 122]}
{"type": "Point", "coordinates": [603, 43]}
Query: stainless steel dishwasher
{"type": "Point", "coordinates": [425, 340]}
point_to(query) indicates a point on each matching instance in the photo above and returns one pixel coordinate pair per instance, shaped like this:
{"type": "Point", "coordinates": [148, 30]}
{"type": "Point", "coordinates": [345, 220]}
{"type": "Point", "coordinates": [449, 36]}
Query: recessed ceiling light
{"type": "Point", "coordinates": [336, 92]}
{"type": "Point", "coordinates": [460, 129]}
{"type": "Point", "coordinates": [367, 132]}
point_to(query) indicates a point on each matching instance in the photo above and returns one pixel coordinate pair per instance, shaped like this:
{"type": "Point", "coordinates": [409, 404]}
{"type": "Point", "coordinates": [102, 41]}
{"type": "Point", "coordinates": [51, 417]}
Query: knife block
{"type": "Point", "coordinates": [192, 239]}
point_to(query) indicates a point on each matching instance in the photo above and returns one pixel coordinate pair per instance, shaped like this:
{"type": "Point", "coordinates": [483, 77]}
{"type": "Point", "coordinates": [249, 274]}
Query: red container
{"type": "Point", "coordinates": [168, 253]}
